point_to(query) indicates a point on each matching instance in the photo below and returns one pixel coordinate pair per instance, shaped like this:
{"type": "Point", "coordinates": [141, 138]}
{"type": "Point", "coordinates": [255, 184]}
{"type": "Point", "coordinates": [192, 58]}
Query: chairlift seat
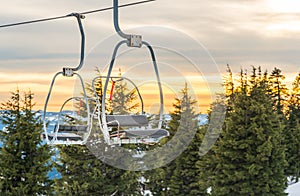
{"type": "Point", "coordinates": [72, 128]}
{"type": "Point", "coordinates": [126, 120]}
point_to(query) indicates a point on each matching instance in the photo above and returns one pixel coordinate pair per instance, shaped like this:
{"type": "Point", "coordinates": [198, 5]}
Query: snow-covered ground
{"type": "Point", "coordinates": [294, 190]}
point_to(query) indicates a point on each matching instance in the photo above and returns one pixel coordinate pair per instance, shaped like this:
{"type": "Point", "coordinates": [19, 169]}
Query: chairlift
{"type": "Point", "coordinates": [65, 130]}
{"type": "Point", "coordinates": [136, 127]}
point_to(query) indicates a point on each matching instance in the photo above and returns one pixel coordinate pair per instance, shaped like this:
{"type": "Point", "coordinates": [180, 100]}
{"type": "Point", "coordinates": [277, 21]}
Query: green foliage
{"type": "Point", "coordinates": [84, 174]}
{"type": "Point", "coordinates": [249, 155]}
{"type": "Point", "coordinates": [292, 133]}
{"type": "Point", "coordinates": [279, 91]}
{"type": "Point", "coordinates": [24, 160]}
{"type": "Point", "coordinates": [207, 162]}
{"type": "Point", "coordinates": [123, 101]}
{"type": "Point", "coordinates": [186, 178]}
{"type": "Point", "coordinates": [79, 172]}
{"type": "Point", "coordinates": [98, 87]}
{"type": "Point", "coordinates": [180, 177]}
{"type": "Point", "coordinates": [228, 82]}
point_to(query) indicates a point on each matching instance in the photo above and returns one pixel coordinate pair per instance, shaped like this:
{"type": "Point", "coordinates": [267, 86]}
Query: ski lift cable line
{"type": "Point", "coordinates": [69, 15]}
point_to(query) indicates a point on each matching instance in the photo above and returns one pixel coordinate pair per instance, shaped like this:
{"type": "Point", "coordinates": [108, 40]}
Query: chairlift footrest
{"type": "Point", "coordinates": [147, 133]}
{"type": "Point", "coordinates": [64, 136]}
{"type": "Point", "coordinates": [144, 133]}
{"type": "Point", "coordinates": [139, 136]}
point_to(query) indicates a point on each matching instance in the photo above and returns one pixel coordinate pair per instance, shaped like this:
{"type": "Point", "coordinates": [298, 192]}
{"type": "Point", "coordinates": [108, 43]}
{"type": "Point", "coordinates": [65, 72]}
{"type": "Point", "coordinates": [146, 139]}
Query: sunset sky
{"type": "Point", "coordinates": [194, 41]}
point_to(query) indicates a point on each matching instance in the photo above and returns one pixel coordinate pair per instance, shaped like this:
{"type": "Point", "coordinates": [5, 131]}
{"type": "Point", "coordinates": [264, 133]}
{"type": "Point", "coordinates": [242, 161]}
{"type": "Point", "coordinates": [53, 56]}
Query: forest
{"type": "Point", "coordinates": [256, 153]}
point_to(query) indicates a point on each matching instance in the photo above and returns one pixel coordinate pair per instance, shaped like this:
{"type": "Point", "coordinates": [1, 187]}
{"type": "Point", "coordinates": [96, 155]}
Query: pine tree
{"type": "Point", "coordinates": [206, 164]}
{"type": "Point", "coordinates": [278, 90]}
{"type": "Point", "coordinates": [180, 177]}
{"type": "Point", "coordinates": [24, 160]}
{"type": "Point", "coordinates": [79, 170]}
{"type": "Point", "coordinates": [292, 133]}
{"type": "Point", "coordinates": [98, 87]}
{"type": "Point", "coordinates": [123, 101]}
{"type": "Point", "coordinates": [184, 180]}
{"type": "Point", "coordinates": [228, 82]}
{"type": "Point", "coordinates": [249, 154]}
{"type": "Point", "coordinates": [84, 174]}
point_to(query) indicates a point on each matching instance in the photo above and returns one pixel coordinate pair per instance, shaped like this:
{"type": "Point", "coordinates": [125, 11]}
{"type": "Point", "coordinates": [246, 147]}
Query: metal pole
{"type": "Point", "coordinates": [70, 71]}
{"type": "Point", "coordinates": [46, 104]}
{"type": "Point", "coordinates": [161, 110]}
{"type": "Point", "coordinates": [103, 115]}
{"type": "Point", "coordinates": [116, 20]}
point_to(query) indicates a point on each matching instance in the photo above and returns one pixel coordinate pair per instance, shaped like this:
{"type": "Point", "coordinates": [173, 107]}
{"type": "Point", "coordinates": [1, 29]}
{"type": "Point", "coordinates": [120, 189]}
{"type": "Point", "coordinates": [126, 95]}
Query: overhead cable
{"type": "Point", "coordinates": [69, 15]}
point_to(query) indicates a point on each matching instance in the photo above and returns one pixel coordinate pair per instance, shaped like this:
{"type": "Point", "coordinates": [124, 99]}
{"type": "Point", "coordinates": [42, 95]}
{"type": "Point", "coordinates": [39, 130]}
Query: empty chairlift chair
{"type": "Point", "coordinates": [136, 126]}
{"type": "Point", "coordinates": [70, 128]}
{"type": "Point", "coordinates": [129, 128]}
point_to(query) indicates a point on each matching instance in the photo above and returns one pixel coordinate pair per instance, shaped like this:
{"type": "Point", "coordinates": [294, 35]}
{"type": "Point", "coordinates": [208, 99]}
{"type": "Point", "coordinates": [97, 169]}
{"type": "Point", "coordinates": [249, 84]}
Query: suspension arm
{"type": "Point", "coordinates": [69, 72]}
{"type": "Point", "coordinates": [133, 40]}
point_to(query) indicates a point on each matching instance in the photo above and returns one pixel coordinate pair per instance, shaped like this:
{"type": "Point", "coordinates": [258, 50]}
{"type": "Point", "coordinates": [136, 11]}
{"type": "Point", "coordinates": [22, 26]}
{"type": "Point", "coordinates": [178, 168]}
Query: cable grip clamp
{"type": "Point", "coordinates": [135, 41]}
{"type": "Point", "coordinates": [68, 72]}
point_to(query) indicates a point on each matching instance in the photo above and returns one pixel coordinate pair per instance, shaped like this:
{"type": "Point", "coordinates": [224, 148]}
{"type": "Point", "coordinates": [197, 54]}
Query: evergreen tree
{"type": "Point", "coordinates": [249, 154]}
{"type": "Point", "coordinates": [184, 180]}
{"type": "Point", "coordinates": [292, 133]}
{"type": "Point", "coordinates": [24, 160]}
{"type": "Point", "coordinates": [278, 90]}
{"type": "Point", "coordinates": [228, 82]}
{"type": "Point", "coordinates": [157, 180]}
{"type": "Point", "coordinates": [84, 174]}
{"type": "Point", "coordinates": [98, 86]}
{"type": "Point", "coordinates": [80, 171]}
{"type": "Point", "coordinates": [206, 164]}
{"type": "Point", "coordinates": [180, 177]}
{"type": "Point", "coordinates": [123, 101]}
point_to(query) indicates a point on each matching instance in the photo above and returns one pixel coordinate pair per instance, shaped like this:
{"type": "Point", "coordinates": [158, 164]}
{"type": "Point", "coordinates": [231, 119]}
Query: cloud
{"type": "Point", "coordinates": [237, 32]}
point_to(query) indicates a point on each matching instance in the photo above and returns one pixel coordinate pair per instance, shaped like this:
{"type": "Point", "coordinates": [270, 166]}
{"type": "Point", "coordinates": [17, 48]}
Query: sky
{"type": "Point", "coordinates": [194, 41]}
